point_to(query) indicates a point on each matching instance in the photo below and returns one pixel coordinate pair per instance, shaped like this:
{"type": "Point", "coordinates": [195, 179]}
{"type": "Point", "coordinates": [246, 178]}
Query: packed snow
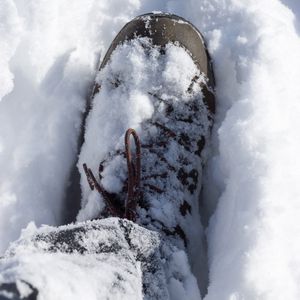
{"type": "Point", "coordinates": [49, 53]}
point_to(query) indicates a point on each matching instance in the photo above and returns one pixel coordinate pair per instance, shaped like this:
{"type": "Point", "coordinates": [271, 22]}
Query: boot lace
{"type": "Point", "coordinates": [133, 185]}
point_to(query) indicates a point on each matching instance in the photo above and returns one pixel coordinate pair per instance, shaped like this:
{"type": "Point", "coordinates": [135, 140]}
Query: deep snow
{"type": "Point", "coordinates": [49, 51]}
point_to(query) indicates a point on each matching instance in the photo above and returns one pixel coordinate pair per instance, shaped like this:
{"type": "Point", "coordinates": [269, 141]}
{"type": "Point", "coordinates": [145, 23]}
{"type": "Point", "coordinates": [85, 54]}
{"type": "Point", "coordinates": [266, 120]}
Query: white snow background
{"type": "Point", "coordinates": [49, 51]}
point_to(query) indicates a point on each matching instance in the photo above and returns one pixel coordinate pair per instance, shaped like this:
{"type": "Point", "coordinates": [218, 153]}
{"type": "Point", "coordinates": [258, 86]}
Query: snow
{"type": "Point", "coordinates": [253, 231]}
{"type": "Point", "coordinates": [109, 252]}
{"type": "Point", "coordinates": [48, 56]}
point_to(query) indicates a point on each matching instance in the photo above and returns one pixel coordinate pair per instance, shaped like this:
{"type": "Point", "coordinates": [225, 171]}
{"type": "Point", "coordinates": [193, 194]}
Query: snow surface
{"type": "Point", "coordinates": [48, 56]}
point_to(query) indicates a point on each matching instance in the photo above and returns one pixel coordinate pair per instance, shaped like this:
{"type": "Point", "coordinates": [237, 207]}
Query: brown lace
{"type": "Point", "coordinates": [134, 177]}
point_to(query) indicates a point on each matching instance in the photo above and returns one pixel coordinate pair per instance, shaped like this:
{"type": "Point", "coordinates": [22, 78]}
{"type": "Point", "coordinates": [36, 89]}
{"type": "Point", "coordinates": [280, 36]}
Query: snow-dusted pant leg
{"type": "Point", "coordinates": [101, 259]}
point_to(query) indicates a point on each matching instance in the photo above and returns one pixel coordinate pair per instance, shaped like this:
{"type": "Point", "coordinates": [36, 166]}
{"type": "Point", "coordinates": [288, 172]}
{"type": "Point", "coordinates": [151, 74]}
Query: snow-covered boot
{"type": "Point", "coordinates": [156, 78]}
